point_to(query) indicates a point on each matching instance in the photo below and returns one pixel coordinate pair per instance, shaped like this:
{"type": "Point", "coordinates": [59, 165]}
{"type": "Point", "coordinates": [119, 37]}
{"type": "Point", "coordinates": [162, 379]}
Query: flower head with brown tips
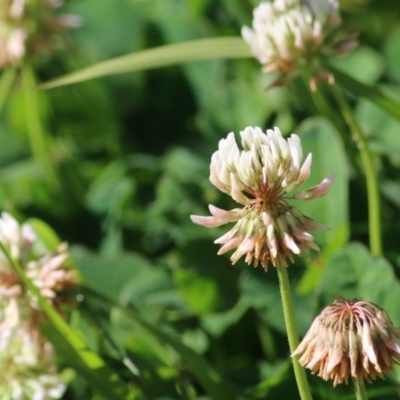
{"type": "Point", "coordinates": [260, 177]}
{"type": "Point", "coordinates": [350, 339]}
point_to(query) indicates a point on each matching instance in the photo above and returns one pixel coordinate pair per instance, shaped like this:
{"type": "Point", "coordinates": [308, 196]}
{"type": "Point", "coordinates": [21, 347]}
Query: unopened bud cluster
{"type": "Point", "coordinates": [27, 368]}
{"type": "Point", "coordinates": [260, 177]}
{"type": "Point", "coordinates": [29, 27]}
{"type": "Point", "coordinates": [290, 34]}
{"type": "Point", "coordinates": [350, 339]}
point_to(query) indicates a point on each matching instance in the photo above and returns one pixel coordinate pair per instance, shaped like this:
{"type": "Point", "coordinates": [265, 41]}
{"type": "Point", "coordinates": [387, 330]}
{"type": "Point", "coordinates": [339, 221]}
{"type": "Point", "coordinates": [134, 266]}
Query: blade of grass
{"type": "Point", "coordinates": [163, 56]}
{"type": "Point", "coordinates": [90, 364]}
{"type": "Point", "coordinates": [6, 81]}
{"type": "Point", "coordinates": [207, 376]}
{"type": "Point", "coordinates": [374, 94]}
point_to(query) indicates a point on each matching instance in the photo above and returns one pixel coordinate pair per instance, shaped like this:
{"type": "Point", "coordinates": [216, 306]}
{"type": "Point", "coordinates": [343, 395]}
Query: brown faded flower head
{"type": "Point", "coordinates": [350, 339]}
{"type": "Point", "coordinates": [260, 178]}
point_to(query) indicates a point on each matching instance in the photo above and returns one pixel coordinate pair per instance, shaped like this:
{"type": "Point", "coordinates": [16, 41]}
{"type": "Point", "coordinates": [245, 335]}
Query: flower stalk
{"type": "Point", "coordinates": [374, 218]}
{"type": "Point", "coordinates": [361, 393]}
{"type": "Point", "coordinates": [291, 329]}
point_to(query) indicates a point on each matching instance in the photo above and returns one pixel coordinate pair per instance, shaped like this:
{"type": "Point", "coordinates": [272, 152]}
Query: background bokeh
{"type": "Point", "coordinates": [129, 157]}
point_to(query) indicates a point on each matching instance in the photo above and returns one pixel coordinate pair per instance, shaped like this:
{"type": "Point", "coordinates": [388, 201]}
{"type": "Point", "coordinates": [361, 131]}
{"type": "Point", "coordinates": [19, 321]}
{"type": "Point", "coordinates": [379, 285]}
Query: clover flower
{"type": "Point", "coordinates": [290, 34]}
{"type": "Point", "coordinates": [260, 177]}
{"type": "Point", "coordinates": [50, 272]}
{"type": "Point", "coordinates": [29, 27]}
{"type": "Point", "coordinates": [27, 368]}
{"type": "Point", "coordinates": [350, 339]}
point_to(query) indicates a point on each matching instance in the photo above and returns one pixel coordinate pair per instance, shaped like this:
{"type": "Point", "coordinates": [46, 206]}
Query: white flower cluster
{"type": "Point", "coordinates": [27, 369]}
{"type": "Point", "coordinates": [259, 177]}
{"type": "Point", "coordinates": [288, 34]}
{"type": "Point", "coordinates": [29, 26]}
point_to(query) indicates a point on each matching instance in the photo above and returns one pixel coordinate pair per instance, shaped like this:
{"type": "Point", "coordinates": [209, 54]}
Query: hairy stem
{"type": "Point", "coordinates": [293, 337]}
{"type": "Point", "coordinates": [361, 393]}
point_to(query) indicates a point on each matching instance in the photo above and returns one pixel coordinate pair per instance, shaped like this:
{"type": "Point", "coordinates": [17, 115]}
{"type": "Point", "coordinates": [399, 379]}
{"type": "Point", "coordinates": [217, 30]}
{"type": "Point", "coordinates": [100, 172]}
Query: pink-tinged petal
{"type": "Point", "coordinates": [390, 343]}
{"type": "Point", "coordinates": [317, 191]}
{"type": "Point", "coordinates": [336, 352]}
{"type": "Point", "coordinates": [209, 222]}
{"type": "Point", "coordinates": [223, 215]}
{"type": "Point", "coordinates": [290, 243]}
{"type": "Point", "coordinates": [232, 244]}
{"type": "Point", "coordinates": [267, 219]}
{"type": "Point", "coordinates": [311, 225]}
{"type": "Point", "coordinates": [227, 237]}
{"type": "Point", "coordinates": [318, 356]}
{"type": "Point", "coordinates": [367, 345]}
{"type": "Point", "coordinates": [302, 235]}
{"type": "Point", "coordinates": [312, 245]}
{"type": "Point", "coordinates": [305, 170]}
{"type": "Point", "coordinates": [247, 246]}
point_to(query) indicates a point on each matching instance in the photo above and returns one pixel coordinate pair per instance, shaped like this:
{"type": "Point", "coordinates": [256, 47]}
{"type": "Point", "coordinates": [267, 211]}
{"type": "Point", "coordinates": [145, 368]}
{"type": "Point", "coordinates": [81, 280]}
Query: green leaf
{"type": "Point", "coordinates": [372, 61]}
{"type": "Point", "coordinates": [321, 139]}
{"type": "Point", "coordinates": [207, 376]}
{"type": "Point", "coordinates": [372, 93]}
{"type": "Point", "coordinates": [199, 291]}
{"type": "Point", "coordinates": [88, 363]}
{"type": "Point", "coordinates": [46, 234]}
{"type": "Point", "coordinates": [163, 56]}
{"type": "Point", "coordinates": [355, 273]}
{"type": "Point", "coordinates": [392, 50]}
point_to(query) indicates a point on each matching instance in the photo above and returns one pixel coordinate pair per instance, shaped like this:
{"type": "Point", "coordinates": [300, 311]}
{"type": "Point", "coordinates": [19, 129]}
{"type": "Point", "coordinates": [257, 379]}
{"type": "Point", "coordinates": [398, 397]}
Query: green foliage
{"type": "Point", "coordinates": [116, 165]}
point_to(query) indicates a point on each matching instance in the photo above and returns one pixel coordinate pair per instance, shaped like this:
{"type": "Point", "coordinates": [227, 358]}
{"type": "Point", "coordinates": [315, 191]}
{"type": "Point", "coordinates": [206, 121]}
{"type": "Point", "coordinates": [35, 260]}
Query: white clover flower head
{"type": "Point", "coordinates": [27, 368]}
{"type": "Point", "coordinates": [260, 177]}
{"type": "Point", "coordinates": [350, 339]}
{"type": "Point", "coordinates": [289, 34]}
{"type": "Point", "coordinates": [30, 27]}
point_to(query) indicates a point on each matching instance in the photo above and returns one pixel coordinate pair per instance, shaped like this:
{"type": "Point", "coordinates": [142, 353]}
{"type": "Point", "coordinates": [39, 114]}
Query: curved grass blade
{"type": "Point", "coordinates": [163, 56]}
{"type": "Point", "coordinates": [374, 94]}
{"type": "Point", "coordinates": [90, 364]}
{"type": "Point", "coordinates": [207, 376]}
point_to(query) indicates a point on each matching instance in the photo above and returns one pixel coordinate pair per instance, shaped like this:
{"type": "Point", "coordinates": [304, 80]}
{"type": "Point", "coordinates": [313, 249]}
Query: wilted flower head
{"type": "Point", "coordinates": [350, 339]}
{"type": "Point", "coordinates": [27, 368]}
{"type": "Point", "coordinates": [50, 272]}
{"type": "Point", "coordinates": [28, 27]}
{"type": "Point", "coordinates": [260, 177]}
{"type": "Point", "coordinates": [289, 34]}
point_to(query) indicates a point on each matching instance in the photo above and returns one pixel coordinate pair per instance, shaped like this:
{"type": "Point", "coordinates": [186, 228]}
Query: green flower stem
{"type": "Point", "coordinates": [6, 81]}
{"type": "Point", "coordinates": [293, 337]}
{"type": "Point", "coordinates": [361, 393]}
{"type": "Point", "coordinates": [374, 219]}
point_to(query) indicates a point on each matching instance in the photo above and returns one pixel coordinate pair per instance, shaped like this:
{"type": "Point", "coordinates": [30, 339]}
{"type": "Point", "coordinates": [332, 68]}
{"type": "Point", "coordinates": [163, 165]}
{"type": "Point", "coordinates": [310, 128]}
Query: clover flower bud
{"type": "Point", "coordinates": [290, 34]}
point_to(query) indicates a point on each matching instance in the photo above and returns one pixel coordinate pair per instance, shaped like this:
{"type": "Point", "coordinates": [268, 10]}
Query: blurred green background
{"type": "Point", "coordinates": [126, 163]}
